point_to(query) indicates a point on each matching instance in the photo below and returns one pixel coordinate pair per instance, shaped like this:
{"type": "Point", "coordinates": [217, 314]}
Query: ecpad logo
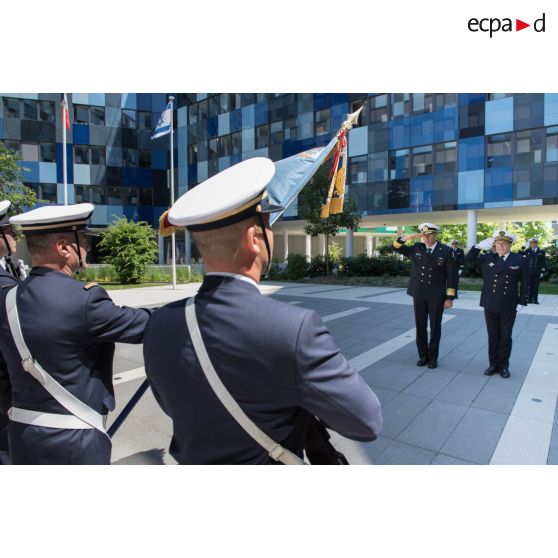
{"type": "Point", "coordinates": [492, 25]}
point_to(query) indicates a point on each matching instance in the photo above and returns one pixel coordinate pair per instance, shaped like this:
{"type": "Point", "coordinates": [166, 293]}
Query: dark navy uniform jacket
{"type": "Point", "coordinates": [536, 260]}
{"type": "Point", "coordinates": [506, 284]}
{"type": "Point", "coordinates": [459, 256]}
{"type": "Point", "coordinates": [434, 276]}
{"type": "Point", "coordinates": [6, 280]}
{"type": "Point", "coordinates": [70, 330]}
{"type": "Point", "coordinates": [278, 361]}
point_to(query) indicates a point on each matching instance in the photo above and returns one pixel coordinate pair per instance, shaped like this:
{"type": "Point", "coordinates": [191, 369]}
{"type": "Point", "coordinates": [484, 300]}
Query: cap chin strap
{"type": "Point", "coordinates": [266, 270]}
{"type": "Point", "coordinates": [78, 252]}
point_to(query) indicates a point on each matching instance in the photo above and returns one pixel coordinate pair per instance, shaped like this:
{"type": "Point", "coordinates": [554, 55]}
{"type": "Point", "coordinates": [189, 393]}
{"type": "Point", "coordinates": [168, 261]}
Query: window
{"type": "Point", "coordinates": [528, 147]}
{"type": "Point", "coordinates": [213, 149]}
{"type": "Point", "coordinates": [276, 133]}
{"type": "Point", "coordinates": [399, 164]}
{"type": "Point", "coordinates": [81, 114]}
{"type": "Point", "coordinates": [322, 122]}
{"type": "Point", "coordinates": [422, 102]}
{"type": "Point", "coordinates": [144, 120]}
{"type": "Point", "coordinates": [81, 154]}
{"type": "Point", "coordinates": [11, 107]}
{"type": "Point", "coordinates": [552, 144]}
{"type": "Point", "coordinates": [98, 156]}
{"type": "Point", "coordinates": [471, 120]}
{"type": "Point", "coordinates": [48, 193]}
{"type": "Point", "coordinates": [145, 196]}
{"type": "Point", "coordinates": [98, 193]}
{"type": "Point", "coordinates": [305, 124]}
{"type": "Point", "coordinates": [12, 145]}
{"type": "Point", "coordinates": [262, 136]}
{"type": "Point", "coordinates": [446, 100]}
{"type": "Point", "coordinates": [358, 170]}
{"type": "Point", "coordinates": [114, 196]}
{"type": "Point", "coordinates": [378, 166]}
{"type": "Point", "coordinates": [213, 106]}
{"type": "Point", "coordinates": [144, 158]}
{"type": "Point", "coordinates": [130, 196]}
{"type": "Point", "coordinates": [400, 104]}
{"type": "Point", "coordinates": [82, 194]}
{"type": "Point", "coordinates": [193, 153]}
{"type": "Point", "coordinates": [29, 109]}
{"type": "Point", "coordinates": [98, 116]}
{"type": "Point", "coordinates": [129, 157]}
{"type": "Point", "coordinates": [422, 161]}
{"type": "Point", "coordinates": [496, 96]}
{"type": "Point", "coordinates": [225, 102]}
{"type": "Point", "coordinates": [203, 111]}
{"type": "Point", "coordinates": [499, 150]}
{"type": "Point", "coordinates": [46, 111]}
{"type": "Point", "coordinates": [224, 146]}
{"type": "Point", "coordinates": [446, 157]}
{"type": "Point", "coordinates": [236, 139]}
{"type": "Point", "coordinates": [30, 151]}
{"type": "Point", "coordinates": [378, 109]}
{"type": "Point", "coordinates": [398, 194]}
{"type": "Point", "coordinates": [290, 131]}
{"type": "Point", "coordinates": [192, 114]}
{"type": "Point", "coordinates": [129, 119]}
{"type": "Point", "coordinates": [48, 153]}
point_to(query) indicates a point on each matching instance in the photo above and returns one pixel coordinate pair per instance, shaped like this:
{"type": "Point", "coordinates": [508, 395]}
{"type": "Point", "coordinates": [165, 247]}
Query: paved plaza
{"type": "Point", "coordinates": [450, 415]}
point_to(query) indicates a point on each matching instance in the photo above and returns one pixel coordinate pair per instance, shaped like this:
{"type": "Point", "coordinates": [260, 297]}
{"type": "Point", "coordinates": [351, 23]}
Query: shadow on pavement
{"type": "Point", "coordinates": [148, 457]}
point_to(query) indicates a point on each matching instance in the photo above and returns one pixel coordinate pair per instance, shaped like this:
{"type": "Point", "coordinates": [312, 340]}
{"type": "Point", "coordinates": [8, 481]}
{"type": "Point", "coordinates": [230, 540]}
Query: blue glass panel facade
{"type": "Point", "coordinates": [499, 116]}
{"type": "Point", "coordinates": [471, 154]}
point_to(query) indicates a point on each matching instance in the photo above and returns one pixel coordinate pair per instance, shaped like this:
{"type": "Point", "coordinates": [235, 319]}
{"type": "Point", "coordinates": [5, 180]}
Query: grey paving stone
{"type": "Point", "coordinates": [442, 459]}
{"type": "Point", "coordinates": [433, 426]}
{"type": "Point", "coordinates": [431, 383]}
{"type": "Point", "coordinates": [121, 364]}
{"type": "Point", "coordinates": [553, 448]}
{"type": "Point", "coordinates": [498, 394]}
{"type": "Point", "coordinates": [391, 375]}
{"type": "Point", "coordinates": [404, 454]}
{"type": "Point", "coordinates": [400, 412]}
{"type": "Point", "coordinates": [463, 389]}
{"type": "Point", "coordinates": [385, 395]}
{"type": "Point", "coordinates": [476, 436]}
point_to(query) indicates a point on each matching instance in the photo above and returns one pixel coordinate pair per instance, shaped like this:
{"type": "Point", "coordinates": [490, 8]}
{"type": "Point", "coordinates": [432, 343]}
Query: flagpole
{"type": "Point", "coordinates": [64, 154]}
{"type": "Point", "coordinates": [173, 240]}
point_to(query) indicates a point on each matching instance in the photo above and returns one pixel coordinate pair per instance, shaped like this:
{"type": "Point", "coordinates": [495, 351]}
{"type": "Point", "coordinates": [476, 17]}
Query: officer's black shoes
{"type": "Point", "coordinates": [423, 361]}
{"type": "Point", "coordinates": [504, 373]}
{"type": "Point", "coordinates": [536, 302]}
{"type": "Point", "coordinates": [433, 364]}
{"type": "Point", "coordinates": [491, 370]}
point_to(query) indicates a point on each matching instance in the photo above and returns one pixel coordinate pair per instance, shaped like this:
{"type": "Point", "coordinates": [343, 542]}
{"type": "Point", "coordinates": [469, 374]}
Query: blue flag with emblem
{"type": "Point", "coordinates": [293, 173]}
{"type": "Point", "coordinates": [163, 124]}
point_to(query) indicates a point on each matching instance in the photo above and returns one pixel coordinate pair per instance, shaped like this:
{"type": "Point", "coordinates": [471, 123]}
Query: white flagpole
{"type": "Point", "coordinates": [64, 155]}
{"type": "Point", "coordinates": [173, 240]}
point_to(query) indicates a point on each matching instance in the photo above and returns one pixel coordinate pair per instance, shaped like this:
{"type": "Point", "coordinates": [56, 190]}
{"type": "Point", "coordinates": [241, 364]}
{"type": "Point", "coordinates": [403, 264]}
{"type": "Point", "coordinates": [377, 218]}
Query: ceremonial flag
{"type": "Point", "coordinates": [164, 123]}
{"type": "Point", "coordinates": [65, 113]}
{"type": "Point", "coordinates": [293, 173]}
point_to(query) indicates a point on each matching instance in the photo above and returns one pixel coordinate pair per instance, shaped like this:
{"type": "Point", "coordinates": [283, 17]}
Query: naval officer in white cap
{"type": "Point", "coordinates": [277, 362]}
{"type": "Point", "coordinates": [433, 286]}
{"type": "Point", "coordinates": [57, 337]}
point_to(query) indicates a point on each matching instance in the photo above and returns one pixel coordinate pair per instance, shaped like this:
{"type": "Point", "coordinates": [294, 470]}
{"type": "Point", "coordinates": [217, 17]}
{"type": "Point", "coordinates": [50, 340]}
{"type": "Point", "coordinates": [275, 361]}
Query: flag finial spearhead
{"type": "Point", "coordinates": [352, 119]}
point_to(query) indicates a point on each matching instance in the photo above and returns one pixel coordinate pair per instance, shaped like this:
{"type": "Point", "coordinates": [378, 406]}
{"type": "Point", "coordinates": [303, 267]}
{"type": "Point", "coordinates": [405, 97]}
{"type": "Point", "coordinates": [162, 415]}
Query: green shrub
{"type": "Point", "coordinates": [129, 247]}
{"type": "Point", "coordinates": [297, 267]}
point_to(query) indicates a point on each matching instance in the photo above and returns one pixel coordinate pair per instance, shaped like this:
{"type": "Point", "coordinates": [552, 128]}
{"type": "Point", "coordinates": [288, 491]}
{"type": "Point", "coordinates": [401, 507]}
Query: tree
{"type": "Point", "coordinates": [11, 181]}
{"type": "Point", "coordinates": [129, 247]}
{"type": "Point", "coordinates": [310, 202]}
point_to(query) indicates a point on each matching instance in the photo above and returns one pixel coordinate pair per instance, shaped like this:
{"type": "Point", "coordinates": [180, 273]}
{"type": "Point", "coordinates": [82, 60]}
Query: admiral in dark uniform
{"type": "Point", "coordinates": [505, 286]}
{"type": "Point", "coordinates": [278, 362]}
{"type": "Point", "coordinates": [536, 265]}
{"type": "Point", "coordinates": [9, 277]}
{"type": "Point", "coordinates": [62, 387]}
{"type": "Point", "coordinates": [433, 286]}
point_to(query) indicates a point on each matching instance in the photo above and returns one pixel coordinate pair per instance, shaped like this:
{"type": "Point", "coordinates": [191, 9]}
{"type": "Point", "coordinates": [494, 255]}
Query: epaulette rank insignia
{"type": "Point", "coordinates": [87, 286]}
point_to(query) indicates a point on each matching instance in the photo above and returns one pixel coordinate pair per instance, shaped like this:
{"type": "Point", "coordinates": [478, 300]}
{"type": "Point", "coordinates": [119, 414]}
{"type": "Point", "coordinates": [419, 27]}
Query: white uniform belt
{"type": "Point", "coordinates": [50, 420]}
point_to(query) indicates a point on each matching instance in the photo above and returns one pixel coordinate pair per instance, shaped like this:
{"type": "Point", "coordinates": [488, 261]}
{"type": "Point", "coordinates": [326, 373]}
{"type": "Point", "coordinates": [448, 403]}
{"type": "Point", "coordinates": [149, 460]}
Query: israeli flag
{"type": "Point", "coordinates": [163, 125]}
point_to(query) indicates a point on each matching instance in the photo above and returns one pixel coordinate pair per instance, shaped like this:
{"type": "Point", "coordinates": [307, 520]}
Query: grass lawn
{"type": "Point", "coordinates": [465, 284]}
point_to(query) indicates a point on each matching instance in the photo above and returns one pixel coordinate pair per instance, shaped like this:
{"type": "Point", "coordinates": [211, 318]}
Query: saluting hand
{"type": "Point", "coordinates": [410, 236]}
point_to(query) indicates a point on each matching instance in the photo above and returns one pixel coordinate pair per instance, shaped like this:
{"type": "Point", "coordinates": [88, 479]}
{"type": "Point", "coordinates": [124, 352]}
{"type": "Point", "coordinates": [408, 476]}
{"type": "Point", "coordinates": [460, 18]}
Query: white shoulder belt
{"type": "Point", "coordinates": [82, 416]}
{"type": "Point", "coordinates": [275, 450]}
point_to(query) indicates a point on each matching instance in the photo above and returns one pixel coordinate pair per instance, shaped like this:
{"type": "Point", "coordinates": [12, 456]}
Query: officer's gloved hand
{"type": "Point", "coordinates": [542, 275]}
{"type": "Point", "coordinates": [485, 244]}
{"type": "Point", "coordinates": [459, 272]}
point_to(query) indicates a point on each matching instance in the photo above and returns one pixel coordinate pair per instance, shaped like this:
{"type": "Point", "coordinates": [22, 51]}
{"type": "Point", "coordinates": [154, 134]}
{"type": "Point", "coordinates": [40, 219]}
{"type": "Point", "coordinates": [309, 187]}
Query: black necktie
{"type": "Point", "coordinates": [428, 251]}
{"type": "Point", "coordinates": [502, 259]}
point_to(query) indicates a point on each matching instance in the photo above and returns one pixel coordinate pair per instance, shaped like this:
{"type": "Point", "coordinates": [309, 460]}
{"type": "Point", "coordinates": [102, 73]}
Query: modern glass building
{"type": "Point", "coordinates": [464, 157]}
